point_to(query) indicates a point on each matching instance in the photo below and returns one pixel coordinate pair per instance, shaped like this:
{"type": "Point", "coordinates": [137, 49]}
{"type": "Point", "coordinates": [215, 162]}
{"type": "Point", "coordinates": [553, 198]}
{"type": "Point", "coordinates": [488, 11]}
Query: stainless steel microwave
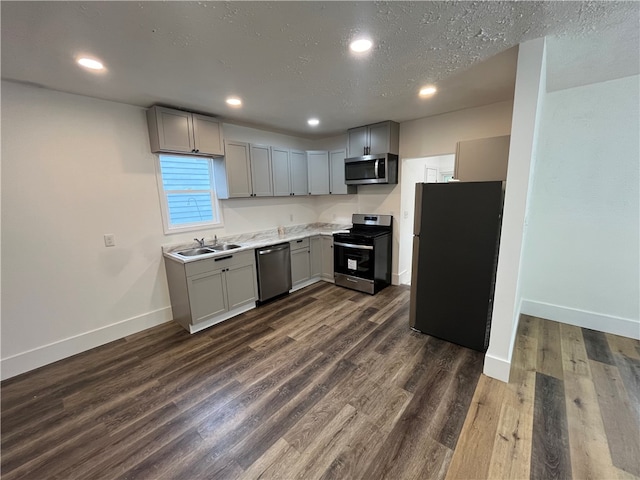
{"type": "Point", "coordinates": [369, 169]}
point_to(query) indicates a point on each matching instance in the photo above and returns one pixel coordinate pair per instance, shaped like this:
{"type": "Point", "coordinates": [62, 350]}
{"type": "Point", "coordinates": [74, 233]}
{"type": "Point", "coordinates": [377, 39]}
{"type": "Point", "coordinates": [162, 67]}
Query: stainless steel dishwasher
{"type": "Point", "coordinates": [274, 271]}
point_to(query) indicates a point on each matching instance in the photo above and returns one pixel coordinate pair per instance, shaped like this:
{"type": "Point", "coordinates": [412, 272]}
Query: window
{"type": "Point", "coordinates": [187, 193]}
{"type": "Point", "coordinates": [446, 176]}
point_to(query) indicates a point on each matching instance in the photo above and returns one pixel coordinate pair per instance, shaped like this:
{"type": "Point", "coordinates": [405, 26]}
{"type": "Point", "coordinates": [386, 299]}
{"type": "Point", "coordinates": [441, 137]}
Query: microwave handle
{"type": "Point", "coordinates": [375, 168]}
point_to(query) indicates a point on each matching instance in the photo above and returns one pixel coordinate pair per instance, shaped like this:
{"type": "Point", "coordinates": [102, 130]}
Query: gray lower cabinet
{"type": "Point", "coordinates": [208, 291]}
{"type": "Point", "coordinates": [207, 295]}
{"type": "Point", "coordinates": [327, 258]}
{"type": "Point", "coordinates": [315, 247]}
{"type": "Point", "coordinates": [300, 262]}
{"type": "Point", "coordinates": [311, 260]}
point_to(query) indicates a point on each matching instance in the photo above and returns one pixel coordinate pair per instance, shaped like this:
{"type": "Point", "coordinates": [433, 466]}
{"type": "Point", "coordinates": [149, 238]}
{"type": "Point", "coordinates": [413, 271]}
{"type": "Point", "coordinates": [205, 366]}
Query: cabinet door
{"type": "Point", "coordinates": [318, 165]}
{"type": "Point", "coordinates": [207, 295]}
{"type": "Point", "coordinates": [280, 170]}
{"type": "Point", "coordinates": [299, 173]}
{"type": "Point", "coordinates": [482, 160]}
{"type": "Point", "coordinates": [327, 258]}
{"type": "Point", "coordinates": [358, 141]}
{"type": "Point", "coordinates": [241, 285]}
{"type": "Point", "coordinates": [300, 267]}
{"type": "Point", "coordinates": [384, 137]}
{"type": "Point", "coordinates": [316, 256]}
{"type": "Point", "coordinates": [238, 170]}
{"type": "Point", "coordinates": [207, 135]}
{"type": "Point", "coordinates": [175, 130]}
{"type": "Point", "coordinates": [261, 170]}
{"type": "Point", "coordinates": [337, 185]}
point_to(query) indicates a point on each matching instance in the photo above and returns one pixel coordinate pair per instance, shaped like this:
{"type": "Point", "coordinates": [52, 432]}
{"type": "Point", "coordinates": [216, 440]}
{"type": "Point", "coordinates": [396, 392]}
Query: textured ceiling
{"type": "Point", "coordinates": [289, 61]}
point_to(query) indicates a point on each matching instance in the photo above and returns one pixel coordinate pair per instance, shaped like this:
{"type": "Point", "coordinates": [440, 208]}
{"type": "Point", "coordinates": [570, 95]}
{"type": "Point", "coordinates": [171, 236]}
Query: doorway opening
{"type": "Point", "coordinates": [434, 169]}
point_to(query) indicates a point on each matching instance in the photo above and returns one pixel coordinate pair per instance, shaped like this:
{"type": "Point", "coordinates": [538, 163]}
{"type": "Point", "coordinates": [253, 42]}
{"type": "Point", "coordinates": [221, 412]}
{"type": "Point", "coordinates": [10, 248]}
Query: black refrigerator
{"type": "Point", "coordinates": [455, 255]}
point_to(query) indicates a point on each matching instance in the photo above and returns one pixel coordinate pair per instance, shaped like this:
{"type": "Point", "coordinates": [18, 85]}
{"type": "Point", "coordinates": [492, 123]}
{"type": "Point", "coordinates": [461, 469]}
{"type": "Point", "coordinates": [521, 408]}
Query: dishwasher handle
{"type": "Point", "coordinates": [273, 249]}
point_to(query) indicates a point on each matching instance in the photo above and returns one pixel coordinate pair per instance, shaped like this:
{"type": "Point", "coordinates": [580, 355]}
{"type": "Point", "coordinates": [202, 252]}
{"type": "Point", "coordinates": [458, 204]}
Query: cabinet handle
{"type": "Point", "coordinates": [227, 257]}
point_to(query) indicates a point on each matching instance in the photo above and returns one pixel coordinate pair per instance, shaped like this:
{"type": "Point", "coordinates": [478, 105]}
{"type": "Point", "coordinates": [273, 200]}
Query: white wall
{"type": "Point", "coordinates": [75, 168]}
{"type": "Point", "coordinates": [581, 258]}
{"type": "Point", "coordinates": [528, 99]}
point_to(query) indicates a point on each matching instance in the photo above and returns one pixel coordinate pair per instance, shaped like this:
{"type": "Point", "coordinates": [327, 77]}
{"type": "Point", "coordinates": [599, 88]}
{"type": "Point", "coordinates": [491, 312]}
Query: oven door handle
{"type": "Point", "coordinates": [353, 245]}
{"type": "Point", "coordinates": [375, 168]}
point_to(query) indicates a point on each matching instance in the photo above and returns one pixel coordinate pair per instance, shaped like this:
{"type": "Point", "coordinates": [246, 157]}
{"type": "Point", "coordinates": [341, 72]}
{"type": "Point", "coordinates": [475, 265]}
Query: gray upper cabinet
{"type": "Point", "coordinates": [289, 170]}
{"type": "Point", "coordinates": [318, 165]}
{"type": "Point", "coordinates": [358, 141]}
{"type": "Point", "coordinates": [336, 180]}
{"type": "Point", "coordinates": [280, 168]}
{"type": "Point", "coordinates": [175, 131]}
{"type": "Point", "coordinates": [482, 160]}
{"type": "Point", "coordinates": [237, 169]}
{"type": "Point", "coordinates": [383, 137]}
{"type": "Point", "coordinates": [299, 172]}
{"type": "Point", "coordinates": [207, 134]}
{"type": "Point", "coordinates": [261, 170]}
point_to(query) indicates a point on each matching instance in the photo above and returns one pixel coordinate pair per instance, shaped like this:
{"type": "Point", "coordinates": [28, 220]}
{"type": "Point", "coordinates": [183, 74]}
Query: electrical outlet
{"type": "Point", "coordinates": [109, 240]}
{"type": "Point", "coordinates": [291, 217]}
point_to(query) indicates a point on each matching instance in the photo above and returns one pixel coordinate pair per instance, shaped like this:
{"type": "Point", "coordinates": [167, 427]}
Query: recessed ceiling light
{"type": "Point", "coordinates": [90, 63]}
{"type": "Point", "coordinates": [427, 91]}
{"type": "Point", "coordinates": [234, 101]}
{"type": "Point", "coordinates": [314, 122]}
{"type": "Point", "coordinates": [361, 45]}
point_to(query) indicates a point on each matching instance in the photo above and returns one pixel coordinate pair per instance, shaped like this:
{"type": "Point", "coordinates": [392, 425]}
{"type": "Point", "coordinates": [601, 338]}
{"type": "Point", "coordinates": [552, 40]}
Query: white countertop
{"type": "Point", "coordinates": [250, 241]}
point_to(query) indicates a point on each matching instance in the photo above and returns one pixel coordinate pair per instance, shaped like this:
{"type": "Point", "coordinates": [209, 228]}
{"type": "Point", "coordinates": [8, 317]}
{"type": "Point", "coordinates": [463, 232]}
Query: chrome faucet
{"type": "Point", "coordinates": [200, 242]}
{"type": "Point", "coordinates": [215, 239]}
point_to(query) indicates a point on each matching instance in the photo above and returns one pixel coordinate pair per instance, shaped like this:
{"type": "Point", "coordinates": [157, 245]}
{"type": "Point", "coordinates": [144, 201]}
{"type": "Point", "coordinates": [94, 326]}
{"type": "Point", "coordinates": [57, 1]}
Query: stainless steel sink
{"type": "Point", "coordinates": [227, 246]}
{"type": "Point", "coordinates": [192, 252]}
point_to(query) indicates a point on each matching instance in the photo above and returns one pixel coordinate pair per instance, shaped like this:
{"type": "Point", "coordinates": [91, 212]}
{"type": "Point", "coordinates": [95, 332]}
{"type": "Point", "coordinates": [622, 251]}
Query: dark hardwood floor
{"type": "Point", "coordinates": [326, 383]}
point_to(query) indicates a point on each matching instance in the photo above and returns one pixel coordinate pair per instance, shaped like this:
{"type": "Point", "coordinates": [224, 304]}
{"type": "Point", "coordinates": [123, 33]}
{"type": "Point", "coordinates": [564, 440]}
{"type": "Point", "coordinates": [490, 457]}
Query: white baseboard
{"type": "Point", "coordinates": [498, 368]}
{"type": "Point", "coordinates": [37, 357]}
{"type": "Point", "coordinates": [399, 278]}
{"type": "Point", "coordinates": [625, 327]}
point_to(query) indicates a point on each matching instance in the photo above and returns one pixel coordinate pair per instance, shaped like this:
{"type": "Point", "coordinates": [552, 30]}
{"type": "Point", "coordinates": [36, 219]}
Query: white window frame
{"type": "Point", "coordinates": [164, 206]}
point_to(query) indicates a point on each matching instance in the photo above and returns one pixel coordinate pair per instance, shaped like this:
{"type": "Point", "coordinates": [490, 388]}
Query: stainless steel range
{"type": "Point", "coordinates": [362, 256]}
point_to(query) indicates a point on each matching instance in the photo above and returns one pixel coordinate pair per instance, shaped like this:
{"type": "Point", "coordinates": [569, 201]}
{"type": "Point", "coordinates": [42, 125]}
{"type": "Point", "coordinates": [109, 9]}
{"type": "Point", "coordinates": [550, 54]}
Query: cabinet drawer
{"type": "Point", "coordinates": [223, 261]}
{"type": "Point", "coordinates": [298, 244]}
